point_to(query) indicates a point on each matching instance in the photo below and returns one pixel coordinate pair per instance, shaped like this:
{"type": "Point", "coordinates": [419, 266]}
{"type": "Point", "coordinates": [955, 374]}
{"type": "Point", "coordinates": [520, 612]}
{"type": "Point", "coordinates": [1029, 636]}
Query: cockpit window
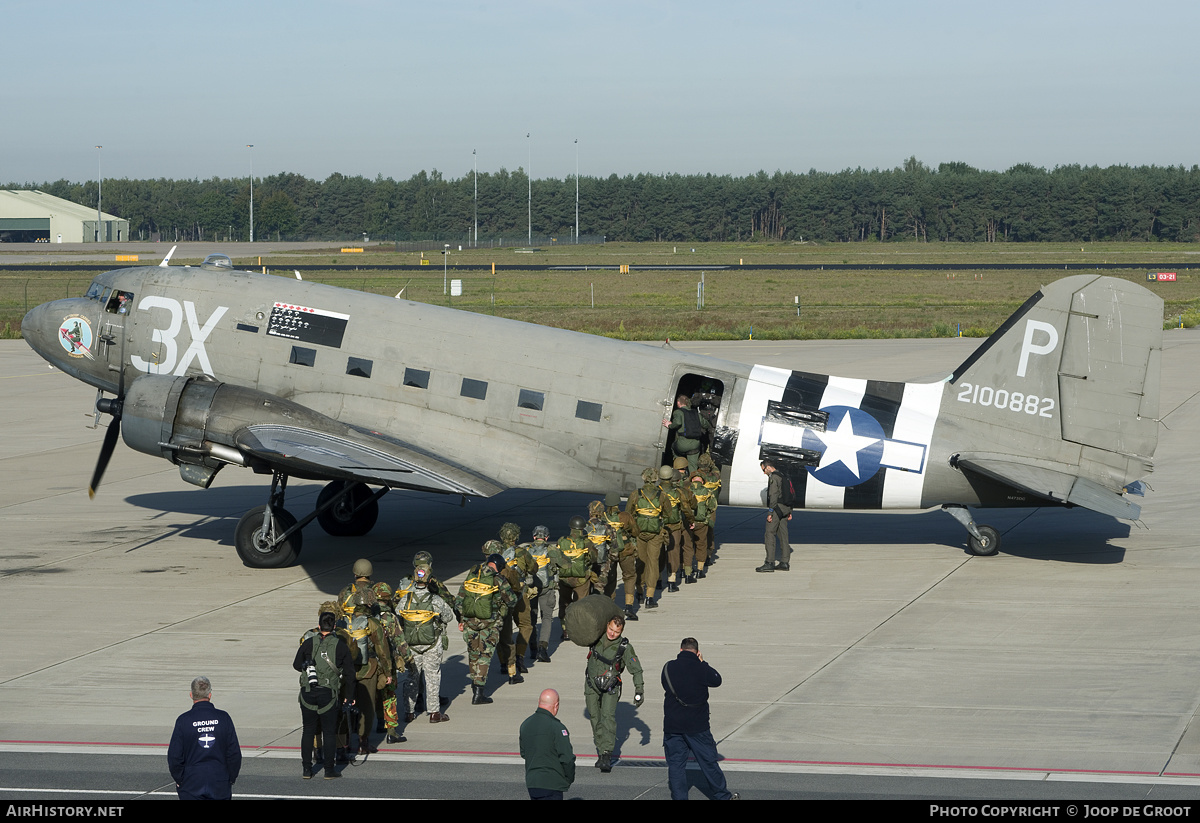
{"type": "Point", "coordinates": [121, 302]}
{"type": "Point", "coordinates": [94, 291]}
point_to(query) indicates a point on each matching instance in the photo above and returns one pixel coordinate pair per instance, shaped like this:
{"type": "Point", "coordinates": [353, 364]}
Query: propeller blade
{"type": "Point", "coordinates": [106, 452]}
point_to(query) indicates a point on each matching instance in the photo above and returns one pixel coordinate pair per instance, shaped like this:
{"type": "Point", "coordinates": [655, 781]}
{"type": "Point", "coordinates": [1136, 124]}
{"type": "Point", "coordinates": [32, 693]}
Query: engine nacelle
{"type": "Point", "coordinates": [194, 421]}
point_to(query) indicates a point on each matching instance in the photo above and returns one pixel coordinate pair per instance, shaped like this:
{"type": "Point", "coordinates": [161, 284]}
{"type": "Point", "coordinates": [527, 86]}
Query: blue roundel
{"type": "Point", "coordinates": [851, 447]}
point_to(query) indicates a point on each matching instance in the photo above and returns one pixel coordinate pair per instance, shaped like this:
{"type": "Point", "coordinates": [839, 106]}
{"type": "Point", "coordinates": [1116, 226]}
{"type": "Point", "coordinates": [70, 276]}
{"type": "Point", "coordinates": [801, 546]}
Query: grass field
{"type": "Point", "coordinates": [847, 302]}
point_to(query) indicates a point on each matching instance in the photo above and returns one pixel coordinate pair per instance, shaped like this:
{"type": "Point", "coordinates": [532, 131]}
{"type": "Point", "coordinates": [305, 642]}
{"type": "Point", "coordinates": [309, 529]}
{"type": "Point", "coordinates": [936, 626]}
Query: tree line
{"type": "Point", "coordinates": [914, 202]}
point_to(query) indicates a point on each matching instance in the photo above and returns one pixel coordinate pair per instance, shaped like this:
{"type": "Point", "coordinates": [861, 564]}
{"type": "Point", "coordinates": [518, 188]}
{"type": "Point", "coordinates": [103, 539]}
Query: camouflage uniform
{"type": "Point", "coordinates": [624, 549]}
{"type": "Point", "coordinates": [520, 567]}
{"type": "Point", "coordinates": [401, 656]}
{"type": "Point", "coordinates": [603, 539]}
{"type": "Point", "coordinates": [372, 659]}
{"type": "Point", "coordinates": [423, 618]}
{"type": "Point", "coordinates": [482, 633]}
{"type": "Point", "coordinates": [543, 590]}
{"type": "Point", "coordinates": [573, 557]}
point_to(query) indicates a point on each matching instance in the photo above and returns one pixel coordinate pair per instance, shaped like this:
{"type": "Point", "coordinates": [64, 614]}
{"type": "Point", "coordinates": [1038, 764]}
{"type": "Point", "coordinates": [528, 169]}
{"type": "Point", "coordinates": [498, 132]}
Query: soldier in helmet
{"type": "Point", "coordinates": [362, 585]}
{"type": "Point", "coordinates": [712, 481]}
{"type": "Point", "coordinates": [624, 552]}
{"type": "Point", "coordinates": [600, 534]}
{"type": "Point", "coordinates": [483, 601]}
{"type": "Point", "coordinates": [695, 536]}
{"type": "Point", "coordinates": [676, 516]}
{"type": "Point", "coordinates": [411, 687]}
{"type": "Point", "coordinates": [423, 620]}
{"type": "Point", "coordinates": [401, 658]}
{"type": "Point", "coordinates": [372, 658]}
{"type": "Point", "coordinates": [544, 590]}
{"type": "Point", "coordinates": [574, 557]}
{"type": "Point", "coordinates": [519, 569]}
{"type": "Point", "coordinates": [647, 504]}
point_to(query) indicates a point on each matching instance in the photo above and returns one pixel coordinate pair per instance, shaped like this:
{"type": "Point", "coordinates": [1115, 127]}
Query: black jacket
{"type": "Point", "coordinates": [691, 678]}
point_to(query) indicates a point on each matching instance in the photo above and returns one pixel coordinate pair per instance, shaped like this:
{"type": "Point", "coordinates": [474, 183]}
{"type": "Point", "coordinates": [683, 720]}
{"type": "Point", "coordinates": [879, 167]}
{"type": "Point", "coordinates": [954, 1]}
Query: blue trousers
{"type": "Point", "coordinates": [704, 749]}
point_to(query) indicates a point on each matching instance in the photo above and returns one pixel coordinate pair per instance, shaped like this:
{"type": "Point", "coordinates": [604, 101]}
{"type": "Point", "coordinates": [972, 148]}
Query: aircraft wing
{"type": "Point", "coordinates": [357, 454]}
{"type": "Point", "coordinates": [1052, 482]}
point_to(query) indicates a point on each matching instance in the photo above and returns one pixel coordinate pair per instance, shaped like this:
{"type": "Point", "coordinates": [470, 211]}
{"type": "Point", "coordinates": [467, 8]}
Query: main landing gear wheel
{"type": "Point", "coordinates": [341, 519]}
{"type": "Point", "coordinates": [987, 544]}
{"type": "Point", "coordinates": [258, 543]}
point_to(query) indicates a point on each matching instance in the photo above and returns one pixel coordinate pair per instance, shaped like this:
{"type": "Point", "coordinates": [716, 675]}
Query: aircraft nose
{"type": "Point", "coordinates": [33, 329]}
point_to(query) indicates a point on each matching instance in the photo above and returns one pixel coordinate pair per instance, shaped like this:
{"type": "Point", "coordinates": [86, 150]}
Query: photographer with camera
{"type": "Point", "coordinates": [326, 682]}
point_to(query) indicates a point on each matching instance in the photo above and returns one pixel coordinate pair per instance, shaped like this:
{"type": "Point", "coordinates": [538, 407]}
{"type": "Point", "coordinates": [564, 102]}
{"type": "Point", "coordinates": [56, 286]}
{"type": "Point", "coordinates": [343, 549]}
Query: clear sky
{"type": "Point", "coordinates": [383, 87]}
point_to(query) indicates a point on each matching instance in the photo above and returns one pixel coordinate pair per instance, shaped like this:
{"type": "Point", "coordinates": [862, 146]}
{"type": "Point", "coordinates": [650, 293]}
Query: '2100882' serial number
{"type": "Point", "coordinates": [1004, 399]}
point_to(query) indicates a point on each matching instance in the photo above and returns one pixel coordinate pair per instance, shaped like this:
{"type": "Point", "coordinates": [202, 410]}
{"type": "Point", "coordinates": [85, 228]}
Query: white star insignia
{"type": "Point", "coordinates": [842, 445]}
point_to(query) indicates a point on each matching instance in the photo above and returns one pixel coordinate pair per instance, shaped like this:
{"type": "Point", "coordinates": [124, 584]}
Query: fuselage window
{"type": "Point", "coordinates": [530, 399]}
{"type": "Point", "coordinates": [416, 378]}
{"type": "Point", "coordinates": [120, 302]}
{"type": "Point", "coordinates": [94, 291]}
{"type": "Point", "coordinates": [303, 357]}
{"type": "Point", "coordinates": [476, 389]}
{"type": "Point", "coordinates": [588, 411]}
{"type": "Point", "coordinates": [358, 367]}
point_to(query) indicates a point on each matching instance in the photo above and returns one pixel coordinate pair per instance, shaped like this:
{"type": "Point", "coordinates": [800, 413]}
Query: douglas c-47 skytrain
{"type": "Point", "coordinates": [210, 367]}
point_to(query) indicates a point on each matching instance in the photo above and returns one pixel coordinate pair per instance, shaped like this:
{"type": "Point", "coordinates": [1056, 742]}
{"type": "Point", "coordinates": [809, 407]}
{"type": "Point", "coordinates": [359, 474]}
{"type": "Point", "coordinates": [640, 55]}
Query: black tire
{"type": "Point", "coordinates": [252, 545]}
{"type": "Point", "coordinates": [338, 520]}
{"type": "Point", "coordinates": [988, 546]}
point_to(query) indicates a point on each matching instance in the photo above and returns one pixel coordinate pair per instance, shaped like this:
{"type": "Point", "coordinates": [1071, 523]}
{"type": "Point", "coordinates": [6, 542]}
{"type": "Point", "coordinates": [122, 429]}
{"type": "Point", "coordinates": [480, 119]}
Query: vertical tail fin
{"type": "Point", "coordinates": [1062, 400]}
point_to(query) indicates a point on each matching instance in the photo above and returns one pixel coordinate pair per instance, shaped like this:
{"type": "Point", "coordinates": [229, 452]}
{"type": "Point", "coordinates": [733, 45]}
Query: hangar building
{"type": "Point", "coordinates": [37, 217]}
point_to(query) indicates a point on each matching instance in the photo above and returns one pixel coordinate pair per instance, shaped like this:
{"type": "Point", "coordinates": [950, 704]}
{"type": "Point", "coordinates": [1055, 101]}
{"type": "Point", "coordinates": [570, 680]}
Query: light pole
{"type": "Point", "coordinates": [251, 147]}
{"type": "Point", "coordinates": [529, 182]}
{"type": "Point", "coordinates": [445, 282]}
{"type": "Point", "coordinates": [99, 192]}
{"type": "Point", "coordinates": [475, 158]}
{"type": "Point", "coordinates": [577, 191]}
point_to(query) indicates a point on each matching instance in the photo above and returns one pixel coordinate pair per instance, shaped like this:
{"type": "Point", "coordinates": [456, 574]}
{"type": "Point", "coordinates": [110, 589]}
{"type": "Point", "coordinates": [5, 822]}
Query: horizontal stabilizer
{"type": "Point", "coordinates": [1052, 483]}
{"type": "Point", "coordinates": [369, 458]}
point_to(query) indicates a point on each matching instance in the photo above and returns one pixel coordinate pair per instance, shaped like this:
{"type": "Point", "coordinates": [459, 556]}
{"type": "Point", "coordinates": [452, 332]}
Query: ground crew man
{"type": "Point", "coordinates": [423, 619]}
{"type": "Point", "coordinates": [647, 505]}
{"type": "Point", "coordinates": [483, 600]}
{"type": "Point", "coordinates": [519, 568]}
{"type": "Point", "coordinates": [607, 659]}
{"type": "Point", "coordinates": [574, 557]}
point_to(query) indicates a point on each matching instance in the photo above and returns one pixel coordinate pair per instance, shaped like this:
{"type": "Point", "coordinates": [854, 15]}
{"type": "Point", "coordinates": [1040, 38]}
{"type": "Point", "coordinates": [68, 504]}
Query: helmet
{"type": "Point", "coordinates": [497, 561]}
{"type": "Point", "coordinates": [680, 463]}
{"type": "Point", "coordinates": [576, 523]}
{"type": "Point", "coordinates": [595, 508]}
{"type": "Point", "coordinates": [706, 461]}
{"type": "Point", "coordinates": [493, 547]}
{"type": "Point", "coordinates": [362, 568]}
{"type": "Point", "coordinates": [423, 559]}
{"type": "Point", "coordinates": [612, 499]}
{"type": "Point", "coordinates": [510, 533]}
{"type": "Point", "coordinates": [648, 476]}
{"type": "Point", "coordinates": [541, 533]}
{"type": "Point", "coordinates": [328, 607]}
{"type": "Point", "coordinates": [383, 591]}
{"type": "Point", "coordinates": [665, 473]}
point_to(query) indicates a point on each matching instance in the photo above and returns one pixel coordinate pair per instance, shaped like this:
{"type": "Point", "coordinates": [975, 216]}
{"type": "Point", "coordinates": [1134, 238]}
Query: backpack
{"type": "Point", "coordinates": [421, 625]}
{"type": "Point", "coordinates": [324, 662]}
{"type": "Point", "coordinates": [787, 491]}
{"type": "Point", "coordinates": [478, 592]}
{"type": "Point", "coordinates": [692, 429]}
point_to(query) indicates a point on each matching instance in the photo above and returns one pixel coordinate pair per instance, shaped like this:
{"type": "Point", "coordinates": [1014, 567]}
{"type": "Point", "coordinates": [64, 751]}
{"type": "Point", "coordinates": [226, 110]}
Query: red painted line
{"type": "Point", "coordinates": [648, 759]}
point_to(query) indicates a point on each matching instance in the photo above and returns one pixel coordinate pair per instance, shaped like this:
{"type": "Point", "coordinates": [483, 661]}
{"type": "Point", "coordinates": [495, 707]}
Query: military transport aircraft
{"type": "Point", "coordinates": [212, 367]}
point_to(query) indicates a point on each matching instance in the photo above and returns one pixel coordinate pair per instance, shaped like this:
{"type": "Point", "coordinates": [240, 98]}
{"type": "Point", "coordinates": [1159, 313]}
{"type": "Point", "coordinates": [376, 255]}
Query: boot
{"type": "Point", "coordinates": [521, 667]}
{"type": "Point", "coordinates": [691, 578]}
{"type": "Point", "coordinates": [543, 654]}
{"type": "Point", "coordinates": [630, 614]}
{"type": "Point", "coordinates": [605, 762]}
{"type": "Point", "coordinates": [394, 736]}
{"type": "Point", "coordinates": [478, 697]}
{"type": "Point", "coordinates": [515, 678]}
{"type": "Point", "coordinates": [439, 717]}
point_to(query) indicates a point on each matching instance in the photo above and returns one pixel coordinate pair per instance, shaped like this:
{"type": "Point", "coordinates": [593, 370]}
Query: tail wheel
{"type": "Point", "coordinates": [258, 544]}
{"type": "Point", "coordinates": [987, 544]}
{"type": "Point", "coordinates": [341, 519]}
